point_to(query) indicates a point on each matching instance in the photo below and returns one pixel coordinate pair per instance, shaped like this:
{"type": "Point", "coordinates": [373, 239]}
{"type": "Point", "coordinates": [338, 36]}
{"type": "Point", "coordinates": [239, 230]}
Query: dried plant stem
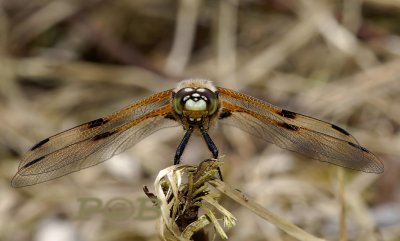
{"type": "Point", "coordinates": [279, 222]}
{"type": "Point", "coordinates": [184, 35]}
{"type": "Point", "coordinates": [226, 41]}
{"type": "Point", "coordinates": [342, 201]}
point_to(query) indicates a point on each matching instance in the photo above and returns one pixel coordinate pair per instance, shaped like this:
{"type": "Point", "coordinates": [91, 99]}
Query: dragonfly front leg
{"type": "Point", "coordinates": [182, 145]}
{"type": "Point", "coordinates": [210, 144]}
{"type": "Point", "coordinates": [212, 147]}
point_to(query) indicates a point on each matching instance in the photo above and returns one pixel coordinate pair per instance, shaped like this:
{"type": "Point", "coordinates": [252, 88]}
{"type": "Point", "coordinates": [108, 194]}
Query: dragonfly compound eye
{"type": "Point", "coordinates": [211, 98]}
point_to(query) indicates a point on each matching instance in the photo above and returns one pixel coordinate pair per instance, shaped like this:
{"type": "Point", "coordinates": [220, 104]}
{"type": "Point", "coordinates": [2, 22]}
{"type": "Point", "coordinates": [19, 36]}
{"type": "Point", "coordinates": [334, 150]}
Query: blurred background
{"type": "Point", "coordinates": [65, 62]}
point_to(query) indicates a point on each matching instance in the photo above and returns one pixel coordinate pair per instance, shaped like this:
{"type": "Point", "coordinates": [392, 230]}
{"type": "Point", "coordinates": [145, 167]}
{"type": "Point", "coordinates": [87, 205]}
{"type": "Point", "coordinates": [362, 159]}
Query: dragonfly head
{"type": "Point", "coordinates": [195, 103]}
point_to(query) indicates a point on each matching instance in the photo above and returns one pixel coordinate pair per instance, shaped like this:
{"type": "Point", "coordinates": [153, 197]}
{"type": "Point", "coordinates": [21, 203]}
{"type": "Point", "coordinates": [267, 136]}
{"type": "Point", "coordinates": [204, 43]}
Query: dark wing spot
{"type": "Point", "coordinates": [343, 131]}
{"type": "Point", "coordinates": [41, 143]}
{"type": "Point", "coordinates": [170, 116]}
{"type": "Point", "coordinates": [32, 162]}
{"type": "Point", "coordinates": [358, 147]}
{"type": "Point", "coordinates": [287, 114]}
{"type": "Point", "coordinates": [289, 126]}
{"type": "Point", "coordinates": [97, 122]}
{"type": "Point", "coordinates": [103, 135]}
{"type": "Point", "coordinates": [224, 113]}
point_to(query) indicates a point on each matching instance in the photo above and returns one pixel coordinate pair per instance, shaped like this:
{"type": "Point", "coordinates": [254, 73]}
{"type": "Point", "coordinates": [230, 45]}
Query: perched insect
{"type": "Point", "coordinates": [196, 105]}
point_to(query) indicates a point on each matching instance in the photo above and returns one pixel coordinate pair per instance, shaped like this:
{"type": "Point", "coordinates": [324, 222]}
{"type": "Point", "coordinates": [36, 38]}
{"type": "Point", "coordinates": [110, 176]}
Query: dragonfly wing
{"type": "Point", "coordinates": [94, 142]}
{"type": "Point", "coordinates": [309, 136]}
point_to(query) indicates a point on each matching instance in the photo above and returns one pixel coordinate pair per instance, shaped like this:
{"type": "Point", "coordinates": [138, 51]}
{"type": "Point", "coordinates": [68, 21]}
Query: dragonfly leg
{"type": "Point", "coordinates": [182, 145]}
{"type": "Point", "coordinates": [211, 146]}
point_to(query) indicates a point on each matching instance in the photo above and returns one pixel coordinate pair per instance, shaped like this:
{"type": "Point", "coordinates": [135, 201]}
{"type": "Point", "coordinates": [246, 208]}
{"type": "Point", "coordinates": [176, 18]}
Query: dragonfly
{"type": "Point", "coordinates": [197, 105]}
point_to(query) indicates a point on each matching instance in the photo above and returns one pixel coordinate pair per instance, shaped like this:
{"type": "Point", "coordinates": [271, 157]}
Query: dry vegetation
{"type": "Point", "coordinates": [64, 62]}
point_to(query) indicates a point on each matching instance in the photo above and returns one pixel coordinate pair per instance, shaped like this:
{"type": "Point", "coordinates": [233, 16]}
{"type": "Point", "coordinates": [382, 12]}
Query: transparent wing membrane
{"type": "Point", "coordinates": [94, 142]}
{"type": "Point", "coordinates": [306, 135]}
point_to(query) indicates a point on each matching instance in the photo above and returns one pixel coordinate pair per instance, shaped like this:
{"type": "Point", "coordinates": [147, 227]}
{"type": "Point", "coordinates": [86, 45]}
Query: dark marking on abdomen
{"type": "Point", "coordinates": [103, 135]}
{"type": "Point", "coordinates": [357, 146]}
{"type": "Point", "coordinates": [289, 126]}
{"type": "Point", "coordinates": [343, 131]}
{"type": "Point", "coordinates": [41, 143]}
{"type": "Point", "coordinates": [287, 114]}
{"type": "Point", "coordinates": [224, 114]}
{"type": "Point", "coordinates": [32, 162]}
{"type": "Point", "coordinates": [97, 122]}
